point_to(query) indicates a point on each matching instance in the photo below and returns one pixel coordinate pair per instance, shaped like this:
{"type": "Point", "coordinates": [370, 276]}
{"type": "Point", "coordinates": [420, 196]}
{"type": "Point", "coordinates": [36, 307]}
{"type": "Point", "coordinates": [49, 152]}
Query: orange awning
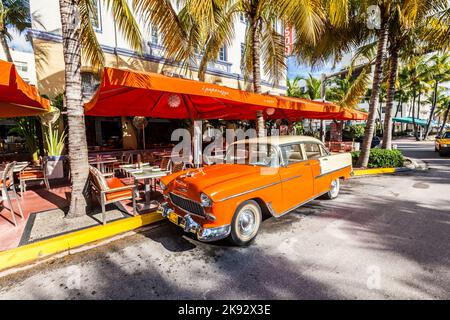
{"type": "Point", "coordinates": [18, 98]}
{"type": "Point", "coordinates": [134, 93]}
{"type": "Point", "coordinates": [296, 109]}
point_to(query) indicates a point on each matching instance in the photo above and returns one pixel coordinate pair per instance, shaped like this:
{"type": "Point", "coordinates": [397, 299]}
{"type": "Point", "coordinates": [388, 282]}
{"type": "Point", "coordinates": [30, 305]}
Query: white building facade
{"type": "Point", "coordinates": [47, 43]}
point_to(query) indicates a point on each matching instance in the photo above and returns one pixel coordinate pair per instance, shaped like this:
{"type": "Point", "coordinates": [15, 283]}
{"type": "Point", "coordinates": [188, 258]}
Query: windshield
{"type": "Point", "coordinates": [256, 154]}
{"type": "Point", "coordinates": [446, 135]}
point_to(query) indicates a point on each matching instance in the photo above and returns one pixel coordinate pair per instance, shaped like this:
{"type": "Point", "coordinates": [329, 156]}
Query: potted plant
{"type": "Point", "coordinates": [26, 128]}
{"type": "Point", "coordinates": [54, 142]}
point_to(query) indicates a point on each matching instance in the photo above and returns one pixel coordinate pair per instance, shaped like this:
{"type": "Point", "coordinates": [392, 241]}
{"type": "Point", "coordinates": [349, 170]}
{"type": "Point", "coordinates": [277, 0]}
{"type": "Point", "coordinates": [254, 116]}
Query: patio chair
{"type": "Point", "coordinates": [166, 163]}
{"type": "Point", "coordinates": [7, 184]}
{"type": "Point", "coordinates": [110, 190]}
{"type": "Point", "coordinates": [180, 166]}
{"type": "Point", "coordinates": [125, 158]}
{"type": "Point", "coordinates": [37, 174]}
{"type": "Point", "coordinates": [149, 157]}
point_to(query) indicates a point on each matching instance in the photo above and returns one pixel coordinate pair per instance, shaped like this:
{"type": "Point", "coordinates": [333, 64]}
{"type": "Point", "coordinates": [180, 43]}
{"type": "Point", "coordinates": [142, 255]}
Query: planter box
{"type": "Point", "coordinates": [55, 167]}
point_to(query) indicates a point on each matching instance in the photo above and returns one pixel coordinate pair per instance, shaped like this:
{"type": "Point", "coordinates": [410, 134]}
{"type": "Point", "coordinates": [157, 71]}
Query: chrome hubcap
{"type": "Point", "coordinates": [246, 222]}
{"type": "Point", "coordinates": [334, 187]}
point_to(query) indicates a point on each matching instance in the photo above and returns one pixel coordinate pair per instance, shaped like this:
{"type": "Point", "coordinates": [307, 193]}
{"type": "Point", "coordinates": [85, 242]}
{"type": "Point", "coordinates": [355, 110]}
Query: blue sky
{"type": "Point", "coordinates": [295, 69]}
{"type": "Point", "coordinates": [19, 41]}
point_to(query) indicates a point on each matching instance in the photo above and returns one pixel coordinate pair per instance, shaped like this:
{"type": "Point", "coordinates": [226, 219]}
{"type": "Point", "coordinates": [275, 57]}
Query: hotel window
{"type": "Point", "coordinates": [96, 16]}
{"type": "Point", "coordinates": [21, 66]}
{"type": "Point", "coordinates": [242, 50]}
{"type": "Point", "coordinates": [223, 54]}
{"type": "Point", "coordinates": [154, 35]}
{"type": "Point", "coordinates": [243, 18]}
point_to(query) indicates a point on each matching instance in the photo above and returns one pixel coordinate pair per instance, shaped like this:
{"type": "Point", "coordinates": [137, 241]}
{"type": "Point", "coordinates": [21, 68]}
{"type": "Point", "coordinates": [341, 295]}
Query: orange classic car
{"type": "Point", "coordinates": [272, 175]}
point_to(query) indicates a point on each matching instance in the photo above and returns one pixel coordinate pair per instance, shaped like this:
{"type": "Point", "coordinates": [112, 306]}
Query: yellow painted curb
{"type": "Point", "coordinates": [364, 172]}
{"type": "Point", "coordinates": [40, 249]}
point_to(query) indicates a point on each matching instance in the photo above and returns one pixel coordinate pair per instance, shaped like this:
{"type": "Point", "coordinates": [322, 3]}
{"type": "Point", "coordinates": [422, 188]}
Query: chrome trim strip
{"type": "Point", "coordinates": [258, 188]}
{"type": "Point", "coordinates": [299, 205]}
{"type": "Point", "coordinates": [184, 210]}
{"type": "Point", "coordinates": [327, 173]}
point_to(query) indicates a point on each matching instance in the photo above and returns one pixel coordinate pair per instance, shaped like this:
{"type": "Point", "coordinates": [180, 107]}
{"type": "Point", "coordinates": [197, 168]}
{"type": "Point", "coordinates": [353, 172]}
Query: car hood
{"type": "Point", "coordinates": [218, 181]}
{"type": "Point", "coordinates": [445, 141]}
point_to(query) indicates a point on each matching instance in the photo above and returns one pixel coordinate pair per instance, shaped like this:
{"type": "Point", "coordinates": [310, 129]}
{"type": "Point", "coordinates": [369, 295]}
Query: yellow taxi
{"type": "Point", "coordinates": [442, 143]}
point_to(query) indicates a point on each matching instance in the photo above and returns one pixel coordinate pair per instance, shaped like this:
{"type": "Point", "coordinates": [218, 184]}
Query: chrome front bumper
{"type": "Point", "coordinates": [189, 225]}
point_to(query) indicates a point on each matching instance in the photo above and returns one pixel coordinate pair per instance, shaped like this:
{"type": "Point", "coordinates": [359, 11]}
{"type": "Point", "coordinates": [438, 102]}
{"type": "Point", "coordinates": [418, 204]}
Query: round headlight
{"type": "Point", "coordinates": [162, 185]}
{"type": "Point", "coordinates": [205, 200]}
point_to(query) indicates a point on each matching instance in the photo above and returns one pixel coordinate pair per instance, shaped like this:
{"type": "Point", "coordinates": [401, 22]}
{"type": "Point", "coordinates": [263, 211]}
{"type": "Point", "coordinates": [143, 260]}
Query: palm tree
{"type": "Point", "coordinates": [208, 25]}
{"type": "Point", "coordinates": [349, 91]}
{"type": "Point", "coordinates": [312, 89]}
{"type": "Point", "coordinates": [352, 32]}
{"type": "Point", "coordinates": [293, 87]}
{"type": "Point", "coordinates": [77, 38]}
{"type": "Point", "coordinates": [13, 14]}
{"type": "Point", "coordinates": [407, 21]}
{"type": "Point", "coordinates": [444, 111]}
{"type": "Point", "coordinates": [416, 72]}
{"type": "Point", "coordinates": [440, 72]}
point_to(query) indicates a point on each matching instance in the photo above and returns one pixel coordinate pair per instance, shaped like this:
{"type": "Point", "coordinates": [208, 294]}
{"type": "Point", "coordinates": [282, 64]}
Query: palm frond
{"type": "Point", "coordinates": [91, 48]}
{"type": "Point", "coordinates": [307, 16]}
{"type": "Point", "coordinates": [357, 89]}
{"type": "Point", "coordinates": [126, 23]}
{"type": "Point", "coordinates": [161, 14]}
{"type": "Point", "coordinates": [221, 34]}
{"type": "Point", "coordinates": [273, 53]}
{"type": "Point", "coordinates": [338, 12]}
{"type": "Point", "coordinates": [247, 59]}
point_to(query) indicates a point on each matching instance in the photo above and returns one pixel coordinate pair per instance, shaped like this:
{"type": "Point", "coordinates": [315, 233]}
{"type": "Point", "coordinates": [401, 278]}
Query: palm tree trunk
{"type": "Point", "coordinates": [413, 113]}
{"type": "Point", "coordinates": [387, 132]}
{"type": "Point", "coordinates": [6, 47]}
{"type": "Point", "coordinates": [75, 113]}
{"type": "Point", "coordinates": [373, 103]}
{"type": "Point", "coordinates": [433, 107]}
{"type": "Point", "coordinates": [418, 136]}
{"type": "Point", "coordinates": [256, 59]}
{"type": "Point", "coordinates": [444, 120]}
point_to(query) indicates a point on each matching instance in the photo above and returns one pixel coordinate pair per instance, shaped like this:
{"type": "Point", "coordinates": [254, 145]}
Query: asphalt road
{"type": "Point", "coordinates": [385, 237]}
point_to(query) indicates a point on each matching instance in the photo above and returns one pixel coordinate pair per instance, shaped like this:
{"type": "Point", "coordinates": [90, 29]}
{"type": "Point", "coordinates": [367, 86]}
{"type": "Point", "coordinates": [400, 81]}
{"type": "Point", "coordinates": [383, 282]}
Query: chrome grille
{"type": "Point", "coordinates": [187, 205]}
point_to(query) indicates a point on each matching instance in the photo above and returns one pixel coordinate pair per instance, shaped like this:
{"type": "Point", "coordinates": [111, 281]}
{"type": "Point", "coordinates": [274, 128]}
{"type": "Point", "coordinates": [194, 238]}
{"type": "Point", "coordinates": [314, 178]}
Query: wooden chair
{"type": "Point", "coordinates": [149, 157]}
{"type": "Point", "coordinates": [34, 175]}
{"type": "Point", "coordinates": [110, 190]}
{"type": "Point", "coordinates": [7, 184]}
{"type": "Point", "coordinates": [177, 167]}
{"type": "Point", "coordinates": [166, 163]}
{"type": "Point", "coordinates": [180, 166]}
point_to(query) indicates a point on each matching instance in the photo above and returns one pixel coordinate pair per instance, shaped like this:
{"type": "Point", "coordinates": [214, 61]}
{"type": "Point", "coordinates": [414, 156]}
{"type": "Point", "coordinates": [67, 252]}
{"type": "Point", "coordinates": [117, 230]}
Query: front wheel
{"type": "Point", "coordinates": [245, 223]}
{"type": "Point", "coordinates": [334, 190]}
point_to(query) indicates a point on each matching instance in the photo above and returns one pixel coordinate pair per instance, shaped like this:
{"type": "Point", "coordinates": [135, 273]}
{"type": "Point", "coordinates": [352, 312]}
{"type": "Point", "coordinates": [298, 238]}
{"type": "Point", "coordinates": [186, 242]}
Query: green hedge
{"type": "Point", "coordinates": [382, 158]}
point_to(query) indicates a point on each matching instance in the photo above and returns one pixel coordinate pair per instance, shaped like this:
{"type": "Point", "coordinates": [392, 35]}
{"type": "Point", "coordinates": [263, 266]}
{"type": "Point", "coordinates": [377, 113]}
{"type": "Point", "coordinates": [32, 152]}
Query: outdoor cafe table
{"type": "Point", "coordinates": [147, 173]}
{"type": "Point", "coordinates": [100, 162]}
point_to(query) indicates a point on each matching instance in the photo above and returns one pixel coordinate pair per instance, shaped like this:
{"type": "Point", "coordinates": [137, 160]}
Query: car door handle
{"type": "Point", "coordinates": [325, 159]}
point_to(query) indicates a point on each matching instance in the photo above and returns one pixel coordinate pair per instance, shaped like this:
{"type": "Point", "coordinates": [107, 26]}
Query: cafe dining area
{"type": "Point", "coordinates": [129, 131]}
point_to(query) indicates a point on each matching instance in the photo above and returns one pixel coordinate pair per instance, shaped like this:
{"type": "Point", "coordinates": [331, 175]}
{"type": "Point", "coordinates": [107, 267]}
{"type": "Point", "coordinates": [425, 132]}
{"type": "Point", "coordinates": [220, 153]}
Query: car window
{"type": "Point", "coordinates": [257, 154]}
{"type": "Point", "coordinates": [324, 151]}
{"type": "Point", "coordinates": [446, 135]}
{"type": "Point", "coordinates": [292, 153]}
{"type": "Point", "coordinates": [312, 150]}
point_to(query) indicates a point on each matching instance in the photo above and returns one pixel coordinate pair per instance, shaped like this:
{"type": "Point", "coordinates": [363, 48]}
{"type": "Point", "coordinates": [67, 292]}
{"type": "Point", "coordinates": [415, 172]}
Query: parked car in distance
{"type": "Point", "coordinates": [375, 141]}
{"type": "Point", "coordinates": [272, 175]}
{"type": "Point", "coordinates": [442, 143]}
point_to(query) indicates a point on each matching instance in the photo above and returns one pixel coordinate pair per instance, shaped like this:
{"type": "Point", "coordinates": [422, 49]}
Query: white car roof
{"type": "Point", "coordinates": [280, 140]}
